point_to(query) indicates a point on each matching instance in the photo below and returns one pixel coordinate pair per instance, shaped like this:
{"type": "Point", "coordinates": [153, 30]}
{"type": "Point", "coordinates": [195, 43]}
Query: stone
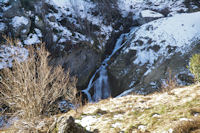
{"type": "Point", "coordinates": [148, 16]}
{"type": "Point", "coordinates": [20, 26]}
{"type": "Point", "coordinates": [66, 124]}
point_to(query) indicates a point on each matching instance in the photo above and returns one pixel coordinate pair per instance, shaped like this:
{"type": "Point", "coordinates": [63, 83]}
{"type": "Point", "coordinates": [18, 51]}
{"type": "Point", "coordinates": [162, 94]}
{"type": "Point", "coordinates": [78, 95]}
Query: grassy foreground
{"type": "Point", "coordinates": [174, 111]}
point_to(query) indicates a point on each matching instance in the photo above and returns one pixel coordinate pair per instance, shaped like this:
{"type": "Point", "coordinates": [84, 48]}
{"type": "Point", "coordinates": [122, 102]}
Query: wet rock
{"type": "Point", "coordinates": [82, 62]}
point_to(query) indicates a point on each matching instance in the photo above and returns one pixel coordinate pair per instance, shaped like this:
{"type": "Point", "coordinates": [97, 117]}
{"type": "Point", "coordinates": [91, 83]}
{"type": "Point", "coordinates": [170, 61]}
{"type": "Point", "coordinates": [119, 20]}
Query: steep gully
{"type": "Point", "coordinates": [100, 83]}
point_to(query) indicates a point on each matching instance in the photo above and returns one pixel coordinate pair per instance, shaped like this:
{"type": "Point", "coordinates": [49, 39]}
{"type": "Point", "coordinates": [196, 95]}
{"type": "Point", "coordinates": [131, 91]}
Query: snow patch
{"type": "Point", "coordinates": [18, 21]}
{"type": "Point", "coordinates": [152, 14]}
{"type": "Point", "coordinates": [125, 93]}
{"type": "Point", "coordinates": [2, 26]}
{"type": "Point", "coordinates": [9, 53]}
{"type": "Point", "coordinates": [32, 39]}
{"type": "Point", "coordinates": [87, 121]}
{"type": "Point", "coordinates": [38, 32]}
{"type": "Point", "coordinates": [168, 34]}
{"type": "Point", "coordinates": [136, 6]}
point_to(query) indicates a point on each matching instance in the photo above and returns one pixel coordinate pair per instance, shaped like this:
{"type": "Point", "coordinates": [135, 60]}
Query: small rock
{"type": "Point", "coordinates": [66, 124]}
{"type": "Point", "coordinates": [148, 15]}
{"type": "Point", "coordinates": [170, 130]}
{"type": "Point", "coordinates": [156, 116]}
{"type": "Point", "coordinates": [116, 125]}
{"type": "Point", "coordinates": [196, 114]}
{"type": "Point", "coordinates": [184, 119]}
{"type": "Point", "coordinates": [142, 128]}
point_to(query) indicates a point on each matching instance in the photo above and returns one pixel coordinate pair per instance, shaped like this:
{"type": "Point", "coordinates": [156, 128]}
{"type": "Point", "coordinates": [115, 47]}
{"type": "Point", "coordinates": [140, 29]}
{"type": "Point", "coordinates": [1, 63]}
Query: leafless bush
{"type": "Point", "coordinates": [170, 83]}
{"type": "Point", "coordinates": [31, 87]}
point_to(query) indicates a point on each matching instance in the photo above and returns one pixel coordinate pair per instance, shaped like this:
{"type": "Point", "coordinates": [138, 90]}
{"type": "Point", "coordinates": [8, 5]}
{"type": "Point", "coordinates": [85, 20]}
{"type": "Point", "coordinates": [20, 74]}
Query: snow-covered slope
{"type": "Point", "coordinates": [173, 33]}
{"type": "Point", "coordinates": [76, 12]}
{"type": "Point", "coordinates": [149, 53]}
{"type": "Point", "coordinates": [136, 6]}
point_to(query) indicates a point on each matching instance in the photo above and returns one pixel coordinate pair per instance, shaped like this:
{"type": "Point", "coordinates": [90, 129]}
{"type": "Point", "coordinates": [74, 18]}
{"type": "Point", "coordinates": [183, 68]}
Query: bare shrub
{"type": "Point", "coordinates": [31, 87]}
{"type": "Point", "coordinates": [170, 83]}
{"type": "Point", "coordinates": [195, 66]}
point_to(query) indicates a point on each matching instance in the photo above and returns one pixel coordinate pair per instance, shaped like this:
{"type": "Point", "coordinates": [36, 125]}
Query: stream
{"type": "Point", "coordinates": [100, 84]}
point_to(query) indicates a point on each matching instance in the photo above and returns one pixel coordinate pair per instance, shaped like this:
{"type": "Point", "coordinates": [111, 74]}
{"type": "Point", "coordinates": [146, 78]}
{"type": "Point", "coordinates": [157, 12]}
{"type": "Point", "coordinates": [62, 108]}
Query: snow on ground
{"type": "Point", "coordinates": [165, 35]}
{"type": "Point", "coordinates": [87, 121]}
{"type": "Point", "coordinates": [9, 53]}
{"type": "Point", "coordinates": [18, 21]}
{"type": "Point", "coordinates": [38, 32]}
{"type": "Point", "coordinates": [149, 13]}
{"type": "Point", "coordinates": [2, 27]}
{"type": "Point", "coordinates": [32, 39]}
{"type": "Point", "coordinates": [76, 9]}
{"type": "Point", "coordinates": [136, 6]}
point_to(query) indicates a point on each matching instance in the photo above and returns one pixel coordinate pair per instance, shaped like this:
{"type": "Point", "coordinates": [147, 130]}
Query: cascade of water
{"type": "Point", "coordinates": [101, 84]}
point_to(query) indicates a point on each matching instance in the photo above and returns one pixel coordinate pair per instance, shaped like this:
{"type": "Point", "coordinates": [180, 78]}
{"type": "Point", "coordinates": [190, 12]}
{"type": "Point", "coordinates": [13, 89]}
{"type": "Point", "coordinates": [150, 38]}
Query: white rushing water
{"type": "Point", "coordinates": [100, 84]}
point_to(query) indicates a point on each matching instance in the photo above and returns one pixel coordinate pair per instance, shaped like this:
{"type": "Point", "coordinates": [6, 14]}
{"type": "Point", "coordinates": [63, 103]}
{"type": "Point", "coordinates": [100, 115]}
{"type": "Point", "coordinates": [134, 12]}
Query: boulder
{"type": "Point", "coordinates": [154, 50]}
{"type": "Point", "coordinates": [148, 16]}
{"type": "Point", "coordinates": [20, 26]}
{"type": "Point", "coordinates": [14, 10]}
{"type": "Point", "coordinates": [66, 124]}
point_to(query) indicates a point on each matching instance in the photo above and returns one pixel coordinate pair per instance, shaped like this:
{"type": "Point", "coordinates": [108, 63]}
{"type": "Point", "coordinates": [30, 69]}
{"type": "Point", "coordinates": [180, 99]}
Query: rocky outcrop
{"type": "Point", "coordinates": [20, 26]}
{"type": "Point", "coordinates": [81, 62]}
{"type": "Point", "coordinates": [66, 124]}
{"type": "Point", "coordinates": [154, 49]}
{"type": "Point", "coordinates": [148, 16]}
{"type": "Point", "coordinates": [15, 9]}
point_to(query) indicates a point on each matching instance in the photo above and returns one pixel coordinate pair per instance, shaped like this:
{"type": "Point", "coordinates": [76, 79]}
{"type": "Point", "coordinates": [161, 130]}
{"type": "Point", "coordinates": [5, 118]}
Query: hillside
{"type": "Point", "coordinates": [108, 66]}
{"type": "Point", "coordinates": [156, 113]}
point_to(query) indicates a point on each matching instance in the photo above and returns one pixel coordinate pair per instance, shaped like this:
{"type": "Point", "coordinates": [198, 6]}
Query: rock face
{"type": "Point", "coordinates": [81, 62]}
{"type": "Point", "coordinates": [154, 49]}
{"type": "Point", "coordinates": [14, 10]}
{"type": "Point", "coordinates": [68, 125]}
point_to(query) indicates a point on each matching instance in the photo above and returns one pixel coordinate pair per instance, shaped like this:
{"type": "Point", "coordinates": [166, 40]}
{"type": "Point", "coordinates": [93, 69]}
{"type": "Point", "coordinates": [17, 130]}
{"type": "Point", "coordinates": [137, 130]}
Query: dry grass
{"type": "Point", "coordinates": [30, 88]}
{"type": "Point", "coordinates": [10, 41]}
{"type": "Point", "coordinates": [189, 126]}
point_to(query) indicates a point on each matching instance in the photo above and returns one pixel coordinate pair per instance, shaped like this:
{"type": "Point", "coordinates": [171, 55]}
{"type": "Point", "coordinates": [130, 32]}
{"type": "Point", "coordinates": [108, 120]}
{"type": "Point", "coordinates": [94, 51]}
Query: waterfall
{"type": "Point", "coordinates": [101, 84]}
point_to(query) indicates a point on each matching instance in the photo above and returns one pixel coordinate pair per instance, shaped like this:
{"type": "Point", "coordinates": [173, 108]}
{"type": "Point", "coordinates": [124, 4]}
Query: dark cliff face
{"type": "Point", "coordinates": [77, 41]}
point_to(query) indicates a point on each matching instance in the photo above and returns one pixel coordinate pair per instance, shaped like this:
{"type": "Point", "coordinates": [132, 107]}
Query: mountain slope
{"type": "Point", "coordinates": [159, 112]}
